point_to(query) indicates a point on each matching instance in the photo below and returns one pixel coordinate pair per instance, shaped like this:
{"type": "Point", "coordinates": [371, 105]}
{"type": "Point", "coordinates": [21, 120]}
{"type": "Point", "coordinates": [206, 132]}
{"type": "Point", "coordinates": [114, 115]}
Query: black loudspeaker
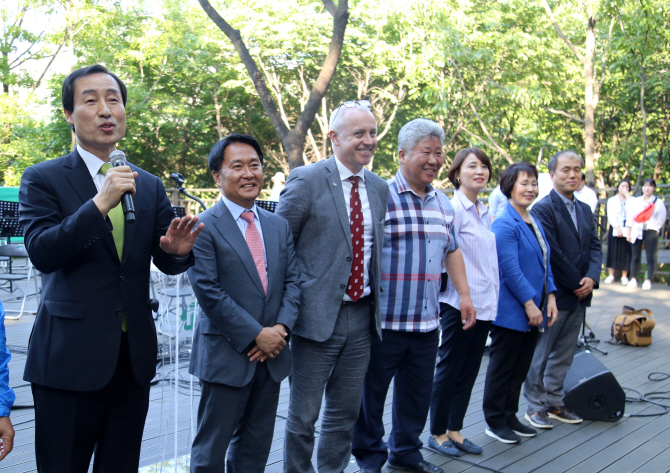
{"type": "Point", "coordinates": [592, 391]}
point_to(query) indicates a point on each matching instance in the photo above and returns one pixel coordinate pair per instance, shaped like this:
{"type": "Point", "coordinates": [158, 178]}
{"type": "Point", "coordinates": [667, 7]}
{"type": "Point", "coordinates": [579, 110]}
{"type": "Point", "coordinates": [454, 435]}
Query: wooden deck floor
{"type": "Point", "coordinates": [633, 444]}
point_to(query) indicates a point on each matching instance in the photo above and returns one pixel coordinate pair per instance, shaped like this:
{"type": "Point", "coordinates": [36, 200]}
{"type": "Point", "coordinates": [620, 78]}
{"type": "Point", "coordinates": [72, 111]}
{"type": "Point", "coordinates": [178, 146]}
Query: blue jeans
{"type": "Point", "coordinates": [337, 367]}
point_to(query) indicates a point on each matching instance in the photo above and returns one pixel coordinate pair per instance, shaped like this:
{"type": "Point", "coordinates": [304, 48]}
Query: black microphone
{"type": "Point", "coordinates": [116, 159]}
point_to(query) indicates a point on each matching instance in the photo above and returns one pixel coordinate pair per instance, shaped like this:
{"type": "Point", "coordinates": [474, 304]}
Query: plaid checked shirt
{"type": "Point", "coordinates": [418, 234]}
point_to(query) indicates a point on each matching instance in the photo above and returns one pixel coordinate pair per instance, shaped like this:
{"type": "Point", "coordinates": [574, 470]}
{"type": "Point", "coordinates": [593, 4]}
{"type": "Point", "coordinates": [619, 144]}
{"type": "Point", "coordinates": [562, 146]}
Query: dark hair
{"type": "Point", "coordinates": [554, 159]}
{"type": "Point", "coordinates": [583, 177]}
{"type": "Point", "coordinates": [511, 174]}
{"type": "Point", "coordinates": [68, 84]}
{"type": "Point", "coordinates": [626, 181]}
{"type": "Point", "coordinates": [458, 162]}
{"type": "Point", "coordinates": [218, 150]}
{"type": "Point", "coordinates": [648, 180]}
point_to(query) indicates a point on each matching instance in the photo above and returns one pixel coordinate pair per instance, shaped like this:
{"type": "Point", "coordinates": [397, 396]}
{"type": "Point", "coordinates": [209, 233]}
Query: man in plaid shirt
{"type": "Point", "coordinates": [418, 239]}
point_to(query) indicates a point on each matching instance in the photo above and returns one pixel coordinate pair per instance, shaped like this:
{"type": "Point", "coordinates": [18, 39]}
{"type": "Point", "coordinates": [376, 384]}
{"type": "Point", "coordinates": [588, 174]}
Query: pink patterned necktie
{"type": "Point", "coordinates": [253, 238]}
{"type": "Point", "coordinates": [356, 286]}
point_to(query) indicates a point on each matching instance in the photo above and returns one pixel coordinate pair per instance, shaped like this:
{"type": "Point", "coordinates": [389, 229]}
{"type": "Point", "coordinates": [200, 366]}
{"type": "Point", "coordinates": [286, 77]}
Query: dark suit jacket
{"type": "Point", "coordinates": [573, 255]}
{"type": "Point", "coordinates": [233, 304]}
{"type": "Point", "coordinates": [313, 204]}
{"type": "Point", "coordinates": [86, 290]}
{"type": "Point", "coordinates": [522, 275]}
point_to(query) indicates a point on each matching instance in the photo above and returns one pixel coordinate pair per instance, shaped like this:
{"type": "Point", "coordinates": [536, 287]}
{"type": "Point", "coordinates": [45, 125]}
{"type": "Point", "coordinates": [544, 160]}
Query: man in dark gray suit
{"type": "Point", "coordinates": [247, 283]}
{"type": "Point", "coordinates": [336, 210]}
{"type": "Point", "coordinates": [572, 234]}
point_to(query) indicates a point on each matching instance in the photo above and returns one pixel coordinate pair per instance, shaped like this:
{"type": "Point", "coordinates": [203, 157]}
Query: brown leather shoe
{"type": "Point", "coordinates": [564, 414]}
{"type": "Point", "coordinates": [539, 420]}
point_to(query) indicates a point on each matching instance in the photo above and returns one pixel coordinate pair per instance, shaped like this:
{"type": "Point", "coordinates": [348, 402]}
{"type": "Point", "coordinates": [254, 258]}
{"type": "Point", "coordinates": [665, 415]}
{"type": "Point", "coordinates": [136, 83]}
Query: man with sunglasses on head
{"type": "Point", "coordinates": [336, 211]}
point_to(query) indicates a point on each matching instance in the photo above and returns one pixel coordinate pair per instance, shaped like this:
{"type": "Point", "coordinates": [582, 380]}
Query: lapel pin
{"type": "Point", "coordinates": [334, 184]}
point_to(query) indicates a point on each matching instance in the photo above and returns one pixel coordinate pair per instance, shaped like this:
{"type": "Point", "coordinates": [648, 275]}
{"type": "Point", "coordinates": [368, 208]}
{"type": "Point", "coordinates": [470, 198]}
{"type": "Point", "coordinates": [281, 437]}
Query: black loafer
{"type": "Point", "coordinates": [421, 467]}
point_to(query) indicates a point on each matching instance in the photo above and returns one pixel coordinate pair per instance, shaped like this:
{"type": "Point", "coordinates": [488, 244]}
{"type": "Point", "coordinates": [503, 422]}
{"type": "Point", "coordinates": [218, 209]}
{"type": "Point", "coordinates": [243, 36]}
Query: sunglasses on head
{"type": "Point", "coordinates": [352, 104]}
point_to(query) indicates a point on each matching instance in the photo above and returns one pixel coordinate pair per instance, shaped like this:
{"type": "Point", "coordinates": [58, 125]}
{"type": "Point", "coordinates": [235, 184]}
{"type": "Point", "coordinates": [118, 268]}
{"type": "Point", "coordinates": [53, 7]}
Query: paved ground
{"type": "Point", "coordinates": [633, 444]}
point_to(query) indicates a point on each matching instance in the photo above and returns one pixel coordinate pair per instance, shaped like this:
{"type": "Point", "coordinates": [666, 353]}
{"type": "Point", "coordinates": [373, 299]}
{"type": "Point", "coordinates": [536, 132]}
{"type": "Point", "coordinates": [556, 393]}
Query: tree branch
{"type": "Point", "coordinates": [330, 6]}
{"type": "Point", "coordinates": [340, 20]}
{"type": "Point", "coordinates": [256, 77]}
{"type": "Point", "coordinates": [493, 143]}
{"type": "Point", "coordinates": [564, 114]}
{"type": "Point", "coordinates": [401, 95]}
{"type": "Point", "coordinates": [62, 43]}
{"type": "Point", "coordinates": [574, 49]}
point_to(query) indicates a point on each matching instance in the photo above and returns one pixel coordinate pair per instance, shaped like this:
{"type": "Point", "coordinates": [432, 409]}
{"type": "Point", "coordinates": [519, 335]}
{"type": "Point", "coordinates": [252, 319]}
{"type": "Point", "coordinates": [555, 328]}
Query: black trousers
{"type": "Point", "coordinates": [408, 358]}
{"type": "Point", "coordinates": [70, 426]}
{"type": "Point", "coordinates": [650, 240]}
{"type": "Point", "coordinates": [461, 354]}
{"type": "Point", "coordinates": [509, 361]}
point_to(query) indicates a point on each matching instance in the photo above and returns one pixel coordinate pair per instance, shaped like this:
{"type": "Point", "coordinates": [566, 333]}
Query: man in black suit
{"type": "Point", "coordinates": [572, 234]}
{"type": "Point", "coordinates": [247, 282]}
{"type": "Point", "coordinates": [92, 352]}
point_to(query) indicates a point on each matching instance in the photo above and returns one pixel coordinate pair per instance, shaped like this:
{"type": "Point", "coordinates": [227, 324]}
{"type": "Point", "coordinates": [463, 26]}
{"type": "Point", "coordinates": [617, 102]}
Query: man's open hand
{"type": "Point", "coordinates": [181, 235]}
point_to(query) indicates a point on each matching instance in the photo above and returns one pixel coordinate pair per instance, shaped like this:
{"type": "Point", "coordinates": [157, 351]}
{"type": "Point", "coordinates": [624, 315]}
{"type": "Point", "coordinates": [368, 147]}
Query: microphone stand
{"type": "Point", "coordinates": [179, 182]}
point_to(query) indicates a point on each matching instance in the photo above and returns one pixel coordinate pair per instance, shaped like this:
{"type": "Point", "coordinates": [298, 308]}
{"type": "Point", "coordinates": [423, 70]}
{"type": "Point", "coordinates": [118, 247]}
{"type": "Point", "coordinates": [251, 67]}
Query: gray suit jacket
{"type": "Point", "coordinates": [233, 305]}
{"type": "Point", "coordinates": [313, 203]}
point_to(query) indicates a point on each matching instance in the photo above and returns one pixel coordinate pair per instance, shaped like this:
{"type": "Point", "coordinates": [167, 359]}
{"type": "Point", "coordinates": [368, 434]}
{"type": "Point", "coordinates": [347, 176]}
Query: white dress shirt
{"type": "Point", "coordinates": [635, 205]}
{"type": "Point", "coordinates": [616, 213]}
{"type": "Point", "coordinates": [345, 174]}
{"type": "Point", "coordinates": [588, 196]}
{"type": "Point", "coordinates": [93, 163]}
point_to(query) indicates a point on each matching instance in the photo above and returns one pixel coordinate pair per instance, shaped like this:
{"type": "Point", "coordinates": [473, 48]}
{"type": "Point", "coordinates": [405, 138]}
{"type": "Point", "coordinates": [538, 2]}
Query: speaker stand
{"type": "Point", "coordinates": [588, 342]}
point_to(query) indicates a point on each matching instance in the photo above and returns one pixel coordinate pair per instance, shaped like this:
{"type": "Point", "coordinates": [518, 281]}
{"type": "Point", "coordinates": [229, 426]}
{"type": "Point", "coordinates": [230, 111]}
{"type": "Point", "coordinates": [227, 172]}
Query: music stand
{"type": "Point", "coordinates": [11, 228]}
{"type": "Point", "coordinates": [269, 205]}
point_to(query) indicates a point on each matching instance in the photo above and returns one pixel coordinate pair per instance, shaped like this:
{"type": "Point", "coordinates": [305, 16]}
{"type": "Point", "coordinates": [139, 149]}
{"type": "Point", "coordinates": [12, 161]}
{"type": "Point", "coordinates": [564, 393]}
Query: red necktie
{"type": "Point", "coordinates": [355, 286]}
{"type": "Point", "coordinates": [255, 243]}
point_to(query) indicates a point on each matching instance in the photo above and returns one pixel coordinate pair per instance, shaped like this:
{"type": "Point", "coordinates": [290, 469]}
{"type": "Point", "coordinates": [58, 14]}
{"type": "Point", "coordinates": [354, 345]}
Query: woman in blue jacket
{"type": "Point", "coordinates": [526, 304]}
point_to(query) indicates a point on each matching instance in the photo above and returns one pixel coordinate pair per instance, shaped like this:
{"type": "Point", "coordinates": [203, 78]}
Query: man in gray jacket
{"type": "Point", "coordinates": [247, 283]}
{"type": "Point", "coordinates": [336, 211]}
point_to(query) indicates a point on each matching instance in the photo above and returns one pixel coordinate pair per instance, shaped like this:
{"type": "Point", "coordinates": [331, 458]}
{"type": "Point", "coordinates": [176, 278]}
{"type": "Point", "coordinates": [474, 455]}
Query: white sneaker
{"type": "Point", "coordinates": [609, 279]}
{"type": "Point", "coordinates": [624, 280]}
{"type": "Point", "coordinates": [646, 285]}
{"type": "Point", "coordinates": [632, 284]}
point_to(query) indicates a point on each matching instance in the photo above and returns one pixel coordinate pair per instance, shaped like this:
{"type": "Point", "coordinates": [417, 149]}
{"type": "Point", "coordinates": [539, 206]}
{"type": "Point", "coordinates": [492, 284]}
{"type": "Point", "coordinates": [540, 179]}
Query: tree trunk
{"type": "Point", "coordinates": [644, 128]}
{"type": "Point", "coordinates": [293, 140]}
{"type": "Point", "coordinates": [659, 162]}
{"type": "Point", "coordinates": [589, 115]}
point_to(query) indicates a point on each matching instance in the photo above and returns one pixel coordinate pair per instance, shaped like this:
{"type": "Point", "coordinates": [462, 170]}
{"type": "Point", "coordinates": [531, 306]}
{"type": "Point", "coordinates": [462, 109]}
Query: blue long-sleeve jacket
{"type": "Point", "coordinates": [7, 396]}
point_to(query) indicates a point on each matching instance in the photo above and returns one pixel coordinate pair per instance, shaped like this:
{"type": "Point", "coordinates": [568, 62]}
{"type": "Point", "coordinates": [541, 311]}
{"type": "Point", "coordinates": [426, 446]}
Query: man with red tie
{"type": "Point", "coordinates": [336, 211]}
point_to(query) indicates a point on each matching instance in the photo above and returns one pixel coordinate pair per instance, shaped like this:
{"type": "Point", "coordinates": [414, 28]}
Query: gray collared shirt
{"type": "Point", "coordinates": [570, 204]}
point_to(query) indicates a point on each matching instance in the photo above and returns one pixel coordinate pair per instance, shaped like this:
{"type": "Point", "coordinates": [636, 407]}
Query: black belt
{"type": "Point", "coordinates": [363, 300]}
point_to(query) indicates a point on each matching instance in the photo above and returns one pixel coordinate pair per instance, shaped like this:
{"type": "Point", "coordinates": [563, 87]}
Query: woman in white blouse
{"type": "Point", "coordinates": [618, 247]}
{"type": "Point", "coordinates": [644, 232]}
{"type": "Point", "coordinates": [461, 350]}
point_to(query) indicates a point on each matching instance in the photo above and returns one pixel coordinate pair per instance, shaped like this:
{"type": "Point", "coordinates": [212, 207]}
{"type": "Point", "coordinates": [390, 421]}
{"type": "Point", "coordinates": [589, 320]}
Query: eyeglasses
{"type": "Point", "coordinates": [351, 104]}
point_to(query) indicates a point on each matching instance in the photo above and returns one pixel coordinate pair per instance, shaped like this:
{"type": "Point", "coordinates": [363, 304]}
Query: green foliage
{"type": "Point", "coordinates": [493, 74]}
